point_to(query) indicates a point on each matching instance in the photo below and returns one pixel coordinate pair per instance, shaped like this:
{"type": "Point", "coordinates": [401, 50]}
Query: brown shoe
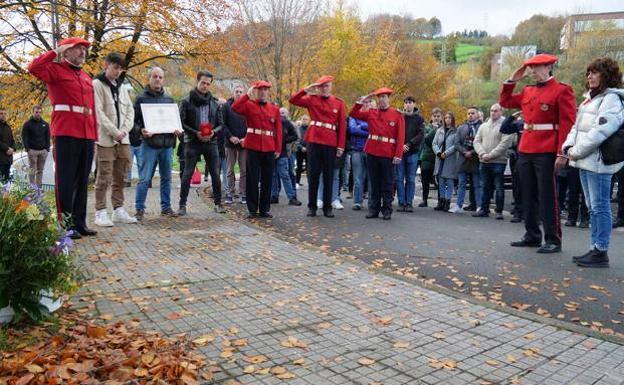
{"type": "Point", "coordinates": [168, 212]}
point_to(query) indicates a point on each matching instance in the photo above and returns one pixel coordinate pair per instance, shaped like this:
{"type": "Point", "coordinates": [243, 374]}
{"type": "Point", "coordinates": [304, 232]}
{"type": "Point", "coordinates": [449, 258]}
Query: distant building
{"type": "Point", "coordinates": [510, 57]}
{"type": "Point", "coordinates": [582, 23]}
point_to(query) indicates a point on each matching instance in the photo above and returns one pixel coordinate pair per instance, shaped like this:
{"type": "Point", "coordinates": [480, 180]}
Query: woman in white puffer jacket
{"type": "Point", "coordinates": [599, 116]}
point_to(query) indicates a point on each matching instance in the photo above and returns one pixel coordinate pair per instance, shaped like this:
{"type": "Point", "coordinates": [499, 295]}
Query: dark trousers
{"type": "Point", "coordinates": [5, 172]}
{"type": "Point", "coordinates": [321, 158]}
{"type": "Point", "coordinates": [73, 158]}
{"type": "Point", "coordinates": [537, 175]}
{"type": "Point", "coordinates": [619, 176]}
{"type": "Point", "coordinates": [192, 154]}
{"type": "Point", "coordinates": [381, 182]}
{"type": "Point", "coordinates": [516, 186]}
{"type": "Point", "coordinates": [300, 165]}
{"type": "Point", "coordinates": [492, 175]}
{"type": "Point", "coordinates": [576, 199]}
{"type": "Point", "coordinates": [259, 171]}
{"type": "Point", "coordinates": [426, 177]}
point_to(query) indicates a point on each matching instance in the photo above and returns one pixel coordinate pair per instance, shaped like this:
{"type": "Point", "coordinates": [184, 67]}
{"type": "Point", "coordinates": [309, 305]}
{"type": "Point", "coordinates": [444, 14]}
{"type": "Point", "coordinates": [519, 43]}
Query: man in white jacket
{"type": "Point", "coordinates": [115, 118]}
{"type": "Point", "coordinates": [491, 146]}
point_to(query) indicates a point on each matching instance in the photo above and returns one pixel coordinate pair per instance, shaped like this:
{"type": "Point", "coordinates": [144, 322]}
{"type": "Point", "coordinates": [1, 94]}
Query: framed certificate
{"type": "Point", "coordinates": [161, 118]}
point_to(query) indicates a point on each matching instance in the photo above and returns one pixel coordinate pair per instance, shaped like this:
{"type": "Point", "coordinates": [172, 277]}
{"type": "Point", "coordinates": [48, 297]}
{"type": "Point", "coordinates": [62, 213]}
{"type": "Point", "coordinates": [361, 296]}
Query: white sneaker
{"type": "Point", "coordinates": [337, 205]}
{"type": "Point", "coordinates": [121, 215]}
{"type": "Point", "coordinates": [454, 209]}
{"type": "Point", "coordinates": [102, 220]}
{"type": "Point", "coordinates": [319, 204]}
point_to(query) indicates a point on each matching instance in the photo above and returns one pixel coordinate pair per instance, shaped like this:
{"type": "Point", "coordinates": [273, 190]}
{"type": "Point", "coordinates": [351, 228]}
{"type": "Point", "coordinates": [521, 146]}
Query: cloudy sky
{"type": "Point", "coordinates": [495, 16]}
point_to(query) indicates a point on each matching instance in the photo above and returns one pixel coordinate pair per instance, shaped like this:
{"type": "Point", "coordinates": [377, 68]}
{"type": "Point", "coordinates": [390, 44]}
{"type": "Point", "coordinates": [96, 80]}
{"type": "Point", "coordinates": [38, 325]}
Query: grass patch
{"type": "Point", "coordinates": [465, 52]}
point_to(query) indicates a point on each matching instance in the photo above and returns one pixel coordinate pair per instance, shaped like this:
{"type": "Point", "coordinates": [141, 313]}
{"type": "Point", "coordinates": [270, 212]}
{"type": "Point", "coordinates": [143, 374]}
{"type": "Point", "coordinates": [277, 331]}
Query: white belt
{"type": "Point", "coordinates": [324, 125]}
{"type": "Point", "coordinates": [68, 108]}
{"type": "Point", "coordinates": [259, 132]}
{"type": "Point", "coordinates": [382, 139]}
{"type": "Point", "coordinates": [540, 127]}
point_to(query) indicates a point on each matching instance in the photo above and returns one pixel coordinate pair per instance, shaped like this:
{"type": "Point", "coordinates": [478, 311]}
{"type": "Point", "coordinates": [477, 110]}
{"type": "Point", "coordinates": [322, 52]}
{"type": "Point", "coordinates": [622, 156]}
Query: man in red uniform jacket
{"type": "Point", "coordinates": [549, 110]}
{"type": "Point", "coordinates": [73, 128]}
{"type": "Point", "coordinates": [384, 148]}
{"type": "Point", "coordinates": [324, 138]}
{"type": "Point", "coordinates": [263, 143]}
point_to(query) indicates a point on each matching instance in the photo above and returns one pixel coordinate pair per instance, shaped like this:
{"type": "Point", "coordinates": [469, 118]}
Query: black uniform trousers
{"type": "Point", "coordinates": [192, 154]}
{"type": "Point", "coordinates": [381, 184]}
{"type": "Point", "coordinates": [539, 198]}
{"type": "Point", "coordinates": [259, 171]}
{"type": "Point", "coordinates": [73, 158]}
{"type": "Point", "coordinates": [321, 158]}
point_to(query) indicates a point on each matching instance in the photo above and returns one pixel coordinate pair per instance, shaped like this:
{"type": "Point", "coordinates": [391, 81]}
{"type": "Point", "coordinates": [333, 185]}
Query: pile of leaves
{"type": "Point", "coordinates": [81, 352]}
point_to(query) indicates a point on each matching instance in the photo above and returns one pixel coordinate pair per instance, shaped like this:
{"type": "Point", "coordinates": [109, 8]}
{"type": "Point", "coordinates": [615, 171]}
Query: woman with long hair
{"type": "Point", "coordinates": [446, 161]}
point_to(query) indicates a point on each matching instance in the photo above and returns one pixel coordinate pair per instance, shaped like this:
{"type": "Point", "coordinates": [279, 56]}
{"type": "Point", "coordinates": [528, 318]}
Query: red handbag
{"type": "Point", "coordinates": [196, 178]}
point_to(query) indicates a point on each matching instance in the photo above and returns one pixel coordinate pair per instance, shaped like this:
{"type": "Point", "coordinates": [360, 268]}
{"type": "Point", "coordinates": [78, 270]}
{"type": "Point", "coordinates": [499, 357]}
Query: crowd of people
{"type": "Point", "coordinates": [371, 152]}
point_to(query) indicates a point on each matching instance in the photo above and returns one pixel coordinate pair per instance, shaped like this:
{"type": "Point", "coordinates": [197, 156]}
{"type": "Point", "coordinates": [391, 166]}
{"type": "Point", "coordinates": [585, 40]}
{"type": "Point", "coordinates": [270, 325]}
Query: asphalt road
{"type": "Point", "coordinates": [469, 255]}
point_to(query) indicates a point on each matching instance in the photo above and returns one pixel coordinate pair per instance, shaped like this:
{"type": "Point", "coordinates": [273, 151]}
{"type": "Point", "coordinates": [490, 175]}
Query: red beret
{"type": "Point", "coordinates": [541, 59]}
{"type": "Point", "coordinates": [383, 91]}
{"type": "Point", "coordinates": [261, 84]}
{"type": "Point", "coordinates": [324, 79]}
{"type": "Point", "coordinates": [75, 41]}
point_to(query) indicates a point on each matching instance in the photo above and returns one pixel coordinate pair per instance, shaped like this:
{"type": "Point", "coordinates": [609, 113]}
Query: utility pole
{"type": "Point", "coordinates": [56, 33]}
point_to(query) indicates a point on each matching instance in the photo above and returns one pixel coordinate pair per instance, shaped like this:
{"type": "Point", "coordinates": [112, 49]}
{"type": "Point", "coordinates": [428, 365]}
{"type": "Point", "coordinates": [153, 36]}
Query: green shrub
{"type": "Point", "coordinates": [34, 252]}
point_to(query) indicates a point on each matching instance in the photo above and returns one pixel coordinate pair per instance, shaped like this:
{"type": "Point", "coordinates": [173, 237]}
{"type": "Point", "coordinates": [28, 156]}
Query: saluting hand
{"type": "Point", "coordinates": [62, 48]}
{"type": "Point", "coordinates": [519, 74]}
{"type": "Point", "coordinates": [251, 93]}
{"type": "Point", "coordinates": [310, 88]}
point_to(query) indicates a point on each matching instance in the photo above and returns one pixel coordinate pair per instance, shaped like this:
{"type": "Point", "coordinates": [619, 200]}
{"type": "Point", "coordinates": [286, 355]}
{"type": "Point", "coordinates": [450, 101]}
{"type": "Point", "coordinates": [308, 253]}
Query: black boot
{"type": "Point", "coordinates": [440, 205]}
{"type": "Point", "coordinates": [595, 258]}
{"type": "Point", "coordinates": [328, 212]}
{"type": "Point", "coordinates": [447, 205]}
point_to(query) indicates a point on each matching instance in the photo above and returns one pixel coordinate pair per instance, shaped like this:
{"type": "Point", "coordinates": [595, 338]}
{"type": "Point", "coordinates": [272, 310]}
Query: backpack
{"type": "Point", "coordinates": [612, 149]}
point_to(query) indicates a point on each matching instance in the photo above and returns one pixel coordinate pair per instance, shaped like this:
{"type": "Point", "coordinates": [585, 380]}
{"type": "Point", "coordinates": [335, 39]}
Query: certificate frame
{"type": "Point", "coordinates": [161, 118]}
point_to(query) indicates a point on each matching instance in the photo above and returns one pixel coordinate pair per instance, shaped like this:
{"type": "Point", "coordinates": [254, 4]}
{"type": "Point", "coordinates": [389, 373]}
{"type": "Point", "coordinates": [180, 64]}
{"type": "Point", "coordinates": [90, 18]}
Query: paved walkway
{"type": "Point", "coordinates": [253, 301]}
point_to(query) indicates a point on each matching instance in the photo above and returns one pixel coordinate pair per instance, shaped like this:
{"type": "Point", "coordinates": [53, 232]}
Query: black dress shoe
{"type": "Point", "coordinates": [595, 258]}
{"type": "Point", "coordinates": [516, 220]}
{"type": "Point", "coordinates": [422, 204]}
{"type": "Point", "coordinates": [618, 223]}
{"type": "Point", "coordinates": [481, 214]}
{"type": "Point", "coordinates": [584, 224]}
{"type": "Point", "coordinates": [470, 208]}
{"type": "Point", "coordinates": [252, 215]}
{"type": "Point", "coordinates": [311, 213]}
{"type": "Point", "coordinates": [526, 243]}
{"type": "Point", "coordinates": [401, 208]}
{"type": "Point", "coordinates": [265, 215]}
{"type": "Point", "coordinates": [86, 231]}
{"type": "Point", "coordinates": [372, 215]}
{"type": "Point", "coordinates": [294, 202]}
{"type": "Point", "coordinates": [570, 223]}
{"type": "Point", "coordinates": [549, 248]}
{"type": "Point", "coordinates": [409, 209]}
{"type": "Point", "coordinates": [75, 235]}
{"type": "Point", "coordinates": [328, 213]}
{"type": "Point", "coordinates": [387, 216]}
{"type": "Point", "coordinates": [577, 257]}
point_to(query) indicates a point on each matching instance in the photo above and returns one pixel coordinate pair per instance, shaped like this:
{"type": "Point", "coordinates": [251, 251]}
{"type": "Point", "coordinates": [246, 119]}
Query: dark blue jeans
{"type": "Point", "coordinates": [281, 175]}
{"type": "Point", "coordinates": [406, 179]}
{"type": "Point", "coordinates": [492, 178]}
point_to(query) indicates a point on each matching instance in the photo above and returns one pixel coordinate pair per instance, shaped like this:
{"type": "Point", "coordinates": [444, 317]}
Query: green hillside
{"type": "Point", "coordinates": [465, 52]}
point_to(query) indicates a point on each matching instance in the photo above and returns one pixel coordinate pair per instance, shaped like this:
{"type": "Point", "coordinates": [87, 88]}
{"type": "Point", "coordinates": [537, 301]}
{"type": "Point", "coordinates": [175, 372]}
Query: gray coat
{"type": "Point", "coordinates": [596, 120]}
{"type": "Point", "coordinates": [445, 168]}
{"type": "Point", "coordinates": [464, 142]}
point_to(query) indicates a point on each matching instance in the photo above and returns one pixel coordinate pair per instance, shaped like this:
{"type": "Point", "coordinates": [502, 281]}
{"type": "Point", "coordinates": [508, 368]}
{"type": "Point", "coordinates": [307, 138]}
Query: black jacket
{"type": "Point", "coordinates": [190, 116]}
{"type": "Point", "coordinates": [234, 124]}
{"type": "Point", "coordinates": [413, 132]}
{"type": "Point", "coordinates": [157, 140]}
{"type": "Point", "coordinates": [290, 136]}
{"type": "Point", "coordinates": [6, 141]}
{"type": "Point", "coordinates": [36, 134]}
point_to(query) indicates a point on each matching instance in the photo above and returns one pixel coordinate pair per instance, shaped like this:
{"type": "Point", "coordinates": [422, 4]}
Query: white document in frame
{"type": "Point", "coordinates": [161, 118]}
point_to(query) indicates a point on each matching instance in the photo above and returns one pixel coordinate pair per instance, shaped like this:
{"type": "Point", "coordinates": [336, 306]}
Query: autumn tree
{"type": "Point", "coordinates": [143, 30]}
{"type": "Point", "coordinates": [540, 30]}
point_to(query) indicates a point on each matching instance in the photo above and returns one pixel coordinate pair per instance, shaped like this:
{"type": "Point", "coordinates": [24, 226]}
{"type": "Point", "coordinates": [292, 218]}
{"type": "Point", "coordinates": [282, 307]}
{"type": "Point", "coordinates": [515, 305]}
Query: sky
{"type": "Point", "coordinates": [494, 16]}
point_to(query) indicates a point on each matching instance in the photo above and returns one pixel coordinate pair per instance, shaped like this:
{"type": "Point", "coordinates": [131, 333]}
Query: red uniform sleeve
{"type": "Point", "coordinates": [567, 115]}
{"type": "Point", "coordinates": [342, 127]}
{"type": "Point", "coordinates": [278, 131]}
{"type": "Point", "coordinates": [300, 99]}
{"type": "Point", "coordinates": [356, 112]}
{"type": "Point", "coordinates": [42, 67]}
{"type": "Point", "coordinates": [240, 106]}
{"type": "Point", "coordinates": [400, 139]}
{"type": "Point", "coordinates": [508, 99]}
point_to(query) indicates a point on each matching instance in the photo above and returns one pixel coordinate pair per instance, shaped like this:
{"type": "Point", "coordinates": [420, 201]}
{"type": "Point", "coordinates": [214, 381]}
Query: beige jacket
{"type": "Point", "coordinates": [106, 115]}
{"type": "Point", "coordinates": [490, 141]}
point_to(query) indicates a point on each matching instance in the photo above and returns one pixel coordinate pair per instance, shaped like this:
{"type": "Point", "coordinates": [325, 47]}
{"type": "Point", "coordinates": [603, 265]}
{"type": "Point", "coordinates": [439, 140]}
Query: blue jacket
{"type": "Point", "coordinates": [358, 132]}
